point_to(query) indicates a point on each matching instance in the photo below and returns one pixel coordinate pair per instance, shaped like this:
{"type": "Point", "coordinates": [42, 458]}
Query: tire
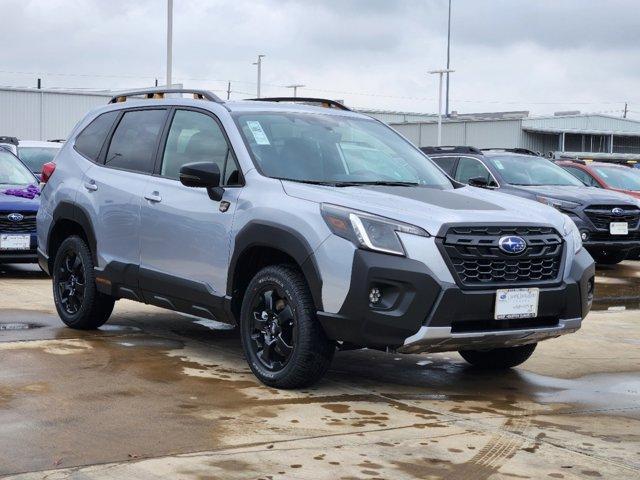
{"type": "Point", "coordinates": [282, 339]}
{"type": "Point", "coordinates": [499, 358]}
{"type": "Point", "coordinates": [78, 302]}
{"type": "Point", "coordinates": [606, 257]}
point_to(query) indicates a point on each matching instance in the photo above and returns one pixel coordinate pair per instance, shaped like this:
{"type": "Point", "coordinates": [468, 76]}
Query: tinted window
{"type": "Point", "coordinates": [583, 176]}
{"type": "Point", "coordinates": [469, 168]}
{"type": "Point", "coordinates": [196, 137]}
{"type": "Point", "coordinates": [446, 163]}
{"type": "Point", "coordinates": [134, 142]}
{"type": "Point", "coordinates": [91, 139]}
{"type": "Point", "coordinates": [35, 157]}
{"type": "Point", "coordinates": [622, 178]}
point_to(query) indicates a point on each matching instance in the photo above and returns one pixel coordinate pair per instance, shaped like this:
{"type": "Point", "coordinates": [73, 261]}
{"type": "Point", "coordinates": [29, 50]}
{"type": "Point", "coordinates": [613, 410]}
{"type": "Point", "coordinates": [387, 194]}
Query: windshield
{"type": "Point", "coordinates": [335, 150]}
{"type": "Point", "coordinates": [12, 172]}
{"type": "Point", "coordinates": [36, 157]}
{"type": "Point", "coordinates": [530, 170]}
{"type": "Point", "coordinates": [620, 177]}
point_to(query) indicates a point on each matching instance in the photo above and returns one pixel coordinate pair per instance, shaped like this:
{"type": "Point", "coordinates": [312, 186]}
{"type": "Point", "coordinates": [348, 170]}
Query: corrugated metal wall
{"type": "Point", "coordinates": [584, 123]}
{"type": "Point", "coordinates": [31, 114]}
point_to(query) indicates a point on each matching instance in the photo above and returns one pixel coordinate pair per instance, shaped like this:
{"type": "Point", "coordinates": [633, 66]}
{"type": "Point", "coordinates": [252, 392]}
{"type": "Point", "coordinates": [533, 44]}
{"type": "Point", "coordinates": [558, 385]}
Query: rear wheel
{"type": "Point", "coordinates": [499, 358]}
{"type": "Point", "coordinates": [77, 300]}
{"type": "Point", "coordinates": [282, 339]}
{"type": "Point", "coordinates": [607, 257]}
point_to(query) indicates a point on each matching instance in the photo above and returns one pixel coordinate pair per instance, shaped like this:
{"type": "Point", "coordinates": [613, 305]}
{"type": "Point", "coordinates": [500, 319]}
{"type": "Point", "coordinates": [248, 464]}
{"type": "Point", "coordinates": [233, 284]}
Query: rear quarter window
{"type": "Point", "coordinates": [91, 139]}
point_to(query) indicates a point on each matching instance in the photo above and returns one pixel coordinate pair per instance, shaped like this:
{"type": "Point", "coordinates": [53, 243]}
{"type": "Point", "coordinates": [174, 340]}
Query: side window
{"type": "Point", "coordinates": [90, 141]}
{"type": "Point", "coordinates": [196, 137]}
{"type": "Point", "coordinates": [134, 142]}
{"type": "Point", "coordinates": [469, 168]}
{"type": "Point", "coordinates": [446, 163]}
{"type": "Point", "coordinates": [583, 176]}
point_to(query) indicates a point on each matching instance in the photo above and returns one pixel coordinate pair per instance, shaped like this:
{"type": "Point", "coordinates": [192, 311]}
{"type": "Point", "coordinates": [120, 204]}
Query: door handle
{"type": "Point", "coordinates": [91, 185]}
{"type": "Point", "coordinates": [153, 197]}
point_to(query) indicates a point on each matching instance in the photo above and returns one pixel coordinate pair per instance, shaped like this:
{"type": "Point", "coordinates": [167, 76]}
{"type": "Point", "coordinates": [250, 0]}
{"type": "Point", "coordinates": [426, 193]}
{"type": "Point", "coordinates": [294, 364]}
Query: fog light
{"type": "Point", "coordinates": [584, 236]}
{"type": "Point", "coordinates": [374, 295]}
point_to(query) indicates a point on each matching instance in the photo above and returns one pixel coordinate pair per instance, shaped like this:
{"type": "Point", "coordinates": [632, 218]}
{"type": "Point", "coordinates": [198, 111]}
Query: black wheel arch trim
{"type": "Point", "coordinates": [283, 238]}
{"type": "Point", "coordinates": [72, 212]}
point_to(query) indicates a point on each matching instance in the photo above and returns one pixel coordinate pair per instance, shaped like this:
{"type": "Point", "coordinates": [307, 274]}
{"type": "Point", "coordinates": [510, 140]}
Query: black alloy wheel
{"type": "Point", "coordinates": [71, 282]}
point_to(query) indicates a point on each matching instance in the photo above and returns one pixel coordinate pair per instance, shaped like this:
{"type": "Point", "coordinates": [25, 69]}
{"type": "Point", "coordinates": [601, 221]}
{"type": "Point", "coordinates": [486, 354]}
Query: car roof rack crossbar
{"type": "Point", "coordinates": [159, 93]}
{"type": "Point", "coordinates": [10, 140]}
{"type": "Point", "coordinates": [324, 102]}
{"type": "Point", "coordinates": [451, 149]}
{"type": "Point", "coordinates": [522, 151]}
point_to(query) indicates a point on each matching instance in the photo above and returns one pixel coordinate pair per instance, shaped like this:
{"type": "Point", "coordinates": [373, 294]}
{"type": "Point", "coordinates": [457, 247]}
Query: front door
{"type": "Point", "coordinates": [184, 233]}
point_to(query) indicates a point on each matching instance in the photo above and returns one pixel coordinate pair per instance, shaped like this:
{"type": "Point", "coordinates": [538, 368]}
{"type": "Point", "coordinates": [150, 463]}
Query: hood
{"type": "Point", "coordinates": [633, 193]}
{"type": "Point", "coordinates": [430, 208]}
{"type": "Point", "coordinates": [9, 203]}
{"type": "Point", "coordinates": [582, 195]}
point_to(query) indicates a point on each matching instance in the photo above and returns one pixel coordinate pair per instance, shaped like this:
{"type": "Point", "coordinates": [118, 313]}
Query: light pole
{"type": "Point", "coordinates": [259, 64]}
{"type": "Point", "coordinates": [440, 73]}
{"type": "Point", "coordinates": [446, 108]}
{"type": "Point", "coordinates": [295, 88]}
{"type": "Point", "coordinates": [169, 40]}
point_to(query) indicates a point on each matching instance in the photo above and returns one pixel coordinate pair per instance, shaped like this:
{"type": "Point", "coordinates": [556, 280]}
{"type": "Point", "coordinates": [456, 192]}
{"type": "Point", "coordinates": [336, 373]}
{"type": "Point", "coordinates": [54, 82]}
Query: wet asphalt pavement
{"type": "Point", "coordinates": [154, 394]}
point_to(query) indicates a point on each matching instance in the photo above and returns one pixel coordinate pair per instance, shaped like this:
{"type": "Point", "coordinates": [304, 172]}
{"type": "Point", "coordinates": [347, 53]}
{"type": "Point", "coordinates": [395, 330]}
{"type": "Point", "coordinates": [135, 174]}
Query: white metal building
{"type": "Point", "coordinates": [577, 135]}
{"type": "Point", "coordinates": [44, 114]}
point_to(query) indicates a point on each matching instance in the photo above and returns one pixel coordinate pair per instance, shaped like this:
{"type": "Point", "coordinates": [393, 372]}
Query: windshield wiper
{"type": "Point", "coordinates": [310, 182]}
{"type": "Point", "coordinates": [385, 183]}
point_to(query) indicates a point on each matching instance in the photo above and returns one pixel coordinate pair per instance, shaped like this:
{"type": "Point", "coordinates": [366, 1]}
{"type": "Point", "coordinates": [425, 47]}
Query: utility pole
{"type": "Point", "coordinates": [624, 115]}
{"type": "Point", "coordinates": [448, 59]}
{"type": "Point", "coordinates": [169, 40]}
{"type": "Point", "coordinates": [259, 64]}
{"type": "Point", "coordinates": [440, 73]}
{"type": "Point", "coordinates": [228, 90]}
{"type": "Point", "coordinates": [295, 88]}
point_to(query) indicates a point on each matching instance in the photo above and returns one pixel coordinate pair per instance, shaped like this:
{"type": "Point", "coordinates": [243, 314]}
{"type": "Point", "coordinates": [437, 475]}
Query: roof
{"type": "Point", "coordinates": [597, 124]}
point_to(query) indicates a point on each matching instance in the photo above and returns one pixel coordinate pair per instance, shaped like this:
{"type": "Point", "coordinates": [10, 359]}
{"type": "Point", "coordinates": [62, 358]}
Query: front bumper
{"type": "Point", "coordinates": [421, 313]}
{"type": "Point", "coordinates": [602, 240]}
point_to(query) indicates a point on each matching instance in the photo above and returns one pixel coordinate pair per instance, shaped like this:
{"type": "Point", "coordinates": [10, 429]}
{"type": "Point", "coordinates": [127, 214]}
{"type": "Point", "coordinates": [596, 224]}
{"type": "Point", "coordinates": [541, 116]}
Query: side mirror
{"type": "Point", "coordinates": [203, 175]}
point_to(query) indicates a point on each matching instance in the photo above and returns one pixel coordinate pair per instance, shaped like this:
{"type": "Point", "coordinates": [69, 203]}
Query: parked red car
{"type": "Point", "coordinates": [606, 175]}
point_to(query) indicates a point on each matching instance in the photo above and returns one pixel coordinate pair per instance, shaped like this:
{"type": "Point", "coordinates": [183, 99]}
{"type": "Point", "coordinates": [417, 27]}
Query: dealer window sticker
{"type": "Point", "coordinates": [258, 133]}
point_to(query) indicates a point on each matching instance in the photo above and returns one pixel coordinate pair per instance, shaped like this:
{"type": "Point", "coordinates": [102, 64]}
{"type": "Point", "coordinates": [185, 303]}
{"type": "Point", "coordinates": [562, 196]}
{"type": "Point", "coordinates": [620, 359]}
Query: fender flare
{"type": "Point", "coordinates": [74, 213]}
{"type": "Point", "coordinates": [285, 239]}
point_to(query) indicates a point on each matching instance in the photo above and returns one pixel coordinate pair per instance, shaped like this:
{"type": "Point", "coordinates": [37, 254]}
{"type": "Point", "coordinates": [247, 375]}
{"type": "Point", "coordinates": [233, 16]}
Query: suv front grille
{"type": "Point", "coordinates": [602, 215]}
{"type": "Point", "coordinates": [26, 225]}
{"type": "Point", "coordinates": [477, 261]}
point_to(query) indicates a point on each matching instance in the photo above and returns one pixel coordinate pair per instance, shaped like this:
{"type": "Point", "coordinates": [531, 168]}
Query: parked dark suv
{"type": "Point", "coordinates": [609, 222]}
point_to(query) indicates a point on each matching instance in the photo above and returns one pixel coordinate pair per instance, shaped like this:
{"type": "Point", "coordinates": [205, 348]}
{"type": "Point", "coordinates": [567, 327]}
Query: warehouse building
{"type": "Point", "coordinates": [565, 134]}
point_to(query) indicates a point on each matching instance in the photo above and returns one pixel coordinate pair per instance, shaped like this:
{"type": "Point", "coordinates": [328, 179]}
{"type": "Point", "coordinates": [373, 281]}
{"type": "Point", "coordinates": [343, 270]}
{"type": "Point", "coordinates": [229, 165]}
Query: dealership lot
{"type": "Point", "coordinates": [157, 395]}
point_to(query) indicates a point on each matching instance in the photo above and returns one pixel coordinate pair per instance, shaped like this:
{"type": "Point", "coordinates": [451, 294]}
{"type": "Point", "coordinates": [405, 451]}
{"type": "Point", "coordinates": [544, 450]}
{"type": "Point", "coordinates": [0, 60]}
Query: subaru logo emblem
{"type": "Point", "coordinates": [15, 217]}
{"type": "Point", "coordinates": [618, 212]}
{"type": "Point", "coordinates": [512, 245]}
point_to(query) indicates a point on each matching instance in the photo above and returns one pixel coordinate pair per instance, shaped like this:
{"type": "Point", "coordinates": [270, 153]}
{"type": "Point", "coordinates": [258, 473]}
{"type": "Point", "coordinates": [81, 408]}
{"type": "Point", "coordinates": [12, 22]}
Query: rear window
{"type": "Point", "coordinates": [36, 157]}
{"type": "Point", "coordinates": [90, 141]}
{"type": "Point", "coordinates": [135, 139]}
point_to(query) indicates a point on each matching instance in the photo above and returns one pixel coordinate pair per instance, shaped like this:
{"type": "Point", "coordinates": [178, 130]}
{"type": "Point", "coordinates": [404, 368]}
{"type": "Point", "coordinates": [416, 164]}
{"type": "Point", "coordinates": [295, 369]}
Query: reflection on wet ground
{"type": "Point", "coordinates": [618, 286]}
{"type": "Point", "coordinates": [152, 385]}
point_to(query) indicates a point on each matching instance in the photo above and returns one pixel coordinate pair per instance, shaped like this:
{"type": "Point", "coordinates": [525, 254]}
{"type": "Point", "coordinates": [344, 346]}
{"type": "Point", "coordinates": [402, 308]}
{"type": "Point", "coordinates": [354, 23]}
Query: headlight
{"type": "Point", "coordinates": [570, 228]}
{"type": "Point", "coordinates": [557, 203]}
{"type": "Point", "coordinates": [368, 231]}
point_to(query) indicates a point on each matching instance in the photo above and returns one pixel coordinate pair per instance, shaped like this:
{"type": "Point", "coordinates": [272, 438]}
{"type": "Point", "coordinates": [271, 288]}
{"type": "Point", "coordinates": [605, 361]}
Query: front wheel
{"type": "Point", "coordinates": [281, 336]}
{"type": "Point", "coordinates": [499, 358]}
{"type": "Point", "coordinates": [78, 302]}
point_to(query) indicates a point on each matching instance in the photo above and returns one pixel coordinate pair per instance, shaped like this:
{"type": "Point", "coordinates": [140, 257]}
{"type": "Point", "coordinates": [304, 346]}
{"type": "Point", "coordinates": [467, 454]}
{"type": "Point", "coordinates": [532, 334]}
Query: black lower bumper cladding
{"type": "Point", "coordinates": [412, 297]}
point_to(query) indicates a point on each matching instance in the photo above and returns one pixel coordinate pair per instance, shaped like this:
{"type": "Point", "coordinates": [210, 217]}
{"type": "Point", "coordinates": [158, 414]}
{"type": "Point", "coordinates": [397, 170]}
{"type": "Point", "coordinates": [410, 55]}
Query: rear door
{"type": "Point", "coordinates": [115, 186]}
{"type": "Point", "coordinates": [185, 234]}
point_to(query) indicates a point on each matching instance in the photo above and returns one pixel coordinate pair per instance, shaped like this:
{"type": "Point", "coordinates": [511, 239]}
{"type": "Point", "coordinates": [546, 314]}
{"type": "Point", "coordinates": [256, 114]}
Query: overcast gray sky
{"type": "Point", "coordinates": [542, 56]}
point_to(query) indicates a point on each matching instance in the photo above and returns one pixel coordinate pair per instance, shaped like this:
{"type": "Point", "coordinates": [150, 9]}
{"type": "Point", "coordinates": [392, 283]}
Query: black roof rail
{"type": "Point", "coordinates": [159, 93]}
{"type": "Point", "coordinates": [324, 102]}
{"type": "Point", "coordinates": [57, 140]}
{"type": "Point", "coordinates": [521, 151]}
{"type": "Point", "coordinates": [11, 140]}
{"type": "Point", "coordinates": [451, 149]}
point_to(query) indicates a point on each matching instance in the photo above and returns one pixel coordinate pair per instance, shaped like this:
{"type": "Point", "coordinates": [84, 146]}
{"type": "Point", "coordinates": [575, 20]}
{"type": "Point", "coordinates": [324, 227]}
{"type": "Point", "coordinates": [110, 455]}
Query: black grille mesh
{"type": "Point", "coordinates": [601, 215]}
{"type": "Point", "coordinates": [476, 259]}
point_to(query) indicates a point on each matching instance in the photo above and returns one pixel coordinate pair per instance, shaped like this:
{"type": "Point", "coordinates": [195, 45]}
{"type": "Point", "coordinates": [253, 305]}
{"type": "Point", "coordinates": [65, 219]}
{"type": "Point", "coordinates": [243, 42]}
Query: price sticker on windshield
{"type": "Point", "coordinates": [258, 133]}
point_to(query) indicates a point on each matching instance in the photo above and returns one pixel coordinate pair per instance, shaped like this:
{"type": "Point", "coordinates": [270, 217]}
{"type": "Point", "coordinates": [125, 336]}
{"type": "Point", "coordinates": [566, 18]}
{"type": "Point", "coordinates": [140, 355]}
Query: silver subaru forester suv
{"type": "Point", "coordinates": [309, 226]}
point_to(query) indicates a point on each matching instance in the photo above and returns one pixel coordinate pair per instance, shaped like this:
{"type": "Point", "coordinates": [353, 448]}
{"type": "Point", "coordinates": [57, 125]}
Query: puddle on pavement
{"type": "Point", "coordinates": [18, 326]}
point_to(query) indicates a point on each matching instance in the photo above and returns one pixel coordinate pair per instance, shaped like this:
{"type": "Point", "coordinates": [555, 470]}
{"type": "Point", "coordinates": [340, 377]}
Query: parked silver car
{"type": "Point", "coordinates": [313, 228]}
